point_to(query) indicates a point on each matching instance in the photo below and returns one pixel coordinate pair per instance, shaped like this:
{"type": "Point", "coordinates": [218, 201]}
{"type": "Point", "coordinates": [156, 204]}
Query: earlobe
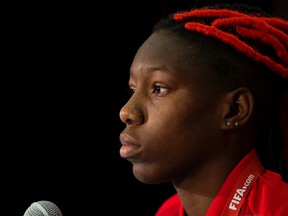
{"type": "Point", "coordinates": [238, 108]}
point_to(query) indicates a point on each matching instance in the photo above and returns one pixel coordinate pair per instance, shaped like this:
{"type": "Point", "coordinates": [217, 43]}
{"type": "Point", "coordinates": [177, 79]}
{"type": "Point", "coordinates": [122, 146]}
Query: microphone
{"type": "Point", "coordinates": [43, 208]}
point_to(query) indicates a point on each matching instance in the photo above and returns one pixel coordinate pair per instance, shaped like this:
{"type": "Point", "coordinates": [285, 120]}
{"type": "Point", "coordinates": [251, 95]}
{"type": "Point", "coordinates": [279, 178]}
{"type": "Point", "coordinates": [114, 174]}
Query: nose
{"type": "Point", "coordinates": [131, 114]}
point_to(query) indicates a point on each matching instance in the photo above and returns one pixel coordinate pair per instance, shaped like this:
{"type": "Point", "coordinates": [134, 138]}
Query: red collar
{"type": "Point", "coordinates": [233, 192]}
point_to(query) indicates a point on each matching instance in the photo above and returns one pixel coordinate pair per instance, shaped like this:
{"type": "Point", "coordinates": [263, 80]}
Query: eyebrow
{"type": "Point", "coordinates": [155, 69]}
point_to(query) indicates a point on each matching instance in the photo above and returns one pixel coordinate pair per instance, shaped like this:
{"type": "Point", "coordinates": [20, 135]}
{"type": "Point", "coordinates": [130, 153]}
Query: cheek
{"type": "Point", "coordinates": [174, 138]}
{"type": "Point", "coordinates": [183, 123]}
{"type": "Point", "coordinates": [174, 121]}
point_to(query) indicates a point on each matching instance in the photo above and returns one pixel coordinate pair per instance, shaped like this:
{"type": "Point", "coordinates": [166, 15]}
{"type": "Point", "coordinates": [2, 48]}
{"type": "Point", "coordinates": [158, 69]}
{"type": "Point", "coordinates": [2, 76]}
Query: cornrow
{"type": "Point", "coordinates": [246, 30]}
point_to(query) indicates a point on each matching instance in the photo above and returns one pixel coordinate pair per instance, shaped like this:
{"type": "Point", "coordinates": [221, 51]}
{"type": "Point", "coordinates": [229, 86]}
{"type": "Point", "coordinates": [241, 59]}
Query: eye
{"type": "Point", "coordinates": [130, 91]}
{"type": "Point", "coordinates": [159, 89]}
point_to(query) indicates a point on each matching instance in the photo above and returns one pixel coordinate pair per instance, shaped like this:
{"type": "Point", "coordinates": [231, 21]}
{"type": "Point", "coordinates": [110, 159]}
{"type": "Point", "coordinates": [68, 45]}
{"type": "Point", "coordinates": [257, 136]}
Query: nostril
{"type": "Point", "coordinates": [129, 121]}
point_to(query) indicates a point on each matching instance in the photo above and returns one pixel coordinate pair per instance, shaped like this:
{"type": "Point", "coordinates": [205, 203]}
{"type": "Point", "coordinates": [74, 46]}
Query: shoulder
{"type": "Point", "coordinates": [269, 194]}
{"type": "Point", "coordinates": [272, 182]}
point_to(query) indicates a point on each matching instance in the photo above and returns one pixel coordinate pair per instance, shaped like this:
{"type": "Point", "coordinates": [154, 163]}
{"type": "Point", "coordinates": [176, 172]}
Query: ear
{"type": "Point", "coordinates": [238, 107]}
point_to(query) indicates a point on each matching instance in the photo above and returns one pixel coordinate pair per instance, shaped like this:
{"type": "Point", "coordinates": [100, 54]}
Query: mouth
{"type": "Point", "coordinates": [130, 148]}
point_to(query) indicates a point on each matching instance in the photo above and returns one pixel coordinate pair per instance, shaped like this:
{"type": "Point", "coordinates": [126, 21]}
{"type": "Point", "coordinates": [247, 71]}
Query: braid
{"type": "Point", "coordinates": [264, 40]}
{"type": "Point", "coordinates": [253, 28]}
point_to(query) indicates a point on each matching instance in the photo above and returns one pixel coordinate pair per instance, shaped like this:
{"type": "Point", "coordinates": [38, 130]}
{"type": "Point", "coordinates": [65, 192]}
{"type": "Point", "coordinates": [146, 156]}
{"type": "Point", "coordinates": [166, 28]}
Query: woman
{"type": "Point", "coordinates": [209, 112]}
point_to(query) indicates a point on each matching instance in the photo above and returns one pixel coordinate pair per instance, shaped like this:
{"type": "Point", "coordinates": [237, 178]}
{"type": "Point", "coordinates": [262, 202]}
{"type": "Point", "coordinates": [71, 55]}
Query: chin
{"type": "Point", "coordinates": [148, 178]}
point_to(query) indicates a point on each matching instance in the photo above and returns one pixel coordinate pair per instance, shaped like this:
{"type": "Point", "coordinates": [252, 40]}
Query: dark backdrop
{"type": "Point", "coordinates": [65, 81]}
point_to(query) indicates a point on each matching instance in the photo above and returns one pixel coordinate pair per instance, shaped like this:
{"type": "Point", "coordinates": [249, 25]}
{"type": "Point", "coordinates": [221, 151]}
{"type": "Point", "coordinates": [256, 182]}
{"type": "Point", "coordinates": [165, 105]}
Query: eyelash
{"type": "Point", "coordinates": [159, 89]}
{"type": "Point", "coordinates": [130, 91]}
{"type": "Point", "coordinates": [156, 90]}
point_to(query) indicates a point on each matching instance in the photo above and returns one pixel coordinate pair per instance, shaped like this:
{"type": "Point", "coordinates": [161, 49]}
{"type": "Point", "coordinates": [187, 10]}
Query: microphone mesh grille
{"type": "Point", "coordinates": [43, 208]}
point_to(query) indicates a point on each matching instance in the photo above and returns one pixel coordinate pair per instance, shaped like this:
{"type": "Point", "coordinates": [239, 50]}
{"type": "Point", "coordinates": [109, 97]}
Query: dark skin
{"type": "Point", "coordinates": [176, 124]}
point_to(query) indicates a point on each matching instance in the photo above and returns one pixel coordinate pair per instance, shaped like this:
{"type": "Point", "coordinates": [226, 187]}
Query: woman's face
{"type": "Point", "coordinates": [172, 120]}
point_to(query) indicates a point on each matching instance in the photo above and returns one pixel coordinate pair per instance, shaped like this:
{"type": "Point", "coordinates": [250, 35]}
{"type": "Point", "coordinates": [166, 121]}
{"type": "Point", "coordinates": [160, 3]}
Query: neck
{"type": "Point", "coordinates": [198, 190]}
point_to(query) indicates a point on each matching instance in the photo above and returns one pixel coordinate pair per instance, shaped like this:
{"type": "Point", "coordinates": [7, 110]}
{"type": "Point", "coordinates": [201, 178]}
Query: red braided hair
{"type": "Point", "coordinates": [250, 27]}
{"type": "Point", "coordinates": [270, 31]}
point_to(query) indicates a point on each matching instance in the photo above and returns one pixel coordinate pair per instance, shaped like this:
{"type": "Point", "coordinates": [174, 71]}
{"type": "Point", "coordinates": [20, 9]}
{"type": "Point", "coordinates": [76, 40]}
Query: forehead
{"type": "Point", "coordinates": [165, 50]}
{"type": "Point", "coordinates": [164, 45]}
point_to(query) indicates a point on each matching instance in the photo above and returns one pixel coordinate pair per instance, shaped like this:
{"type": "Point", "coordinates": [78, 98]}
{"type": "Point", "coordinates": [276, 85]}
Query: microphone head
{"type": "Point", "coordinates": [43, 208]}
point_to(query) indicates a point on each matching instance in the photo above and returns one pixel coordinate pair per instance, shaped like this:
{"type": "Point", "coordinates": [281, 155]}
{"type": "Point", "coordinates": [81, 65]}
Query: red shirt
{"type": "Point", "coordinates": [244, 193]}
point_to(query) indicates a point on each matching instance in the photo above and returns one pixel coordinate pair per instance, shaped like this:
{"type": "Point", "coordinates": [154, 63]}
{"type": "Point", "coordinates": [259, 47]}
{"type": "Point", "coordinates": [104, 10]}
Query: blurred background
{"type": "Point", "coordinates": [64, 84]}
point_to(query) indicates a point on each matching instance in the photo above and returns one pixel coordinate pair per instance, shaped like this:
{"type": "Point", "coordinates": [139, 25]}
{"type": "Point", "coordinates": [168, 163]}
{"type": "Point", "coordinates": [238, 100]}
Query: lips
{"type": "Point", "coordinates": [130, 148]}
